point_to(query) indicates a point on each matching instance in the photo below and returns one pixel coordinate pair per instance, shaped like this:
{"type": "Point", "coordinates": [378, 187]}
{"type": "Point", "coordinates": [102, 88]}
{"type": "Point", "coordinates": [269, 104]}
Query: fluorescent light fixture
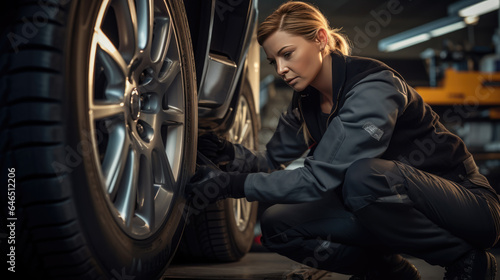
{"type": "Point", "coordinates": [421, 33]}
{"type": "Point", "coordinates": [408, 42]}
{"type": "Point", "coordinates": [461, 13]}
{"type": "Point", "coordinates": [480, 8]}
{"type": "Point", "coordinates": [448, 29]}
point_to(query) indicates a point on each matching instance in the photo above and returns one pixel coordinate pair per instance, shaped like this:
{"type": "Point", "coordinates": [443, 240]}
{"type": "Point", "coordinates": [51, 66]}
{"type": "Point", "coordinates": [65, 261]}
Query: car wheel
{"type": "Point", "coordinates": [224, 231]}
{"type": "Point", "coordinates": [99, 124]}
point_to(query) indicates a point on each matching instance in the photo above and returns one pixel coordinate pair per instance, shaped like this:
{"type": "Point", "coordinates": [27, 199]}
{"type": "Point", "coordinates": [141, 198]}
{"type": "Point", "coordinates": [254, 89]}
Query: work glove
{"type": "Point", "coordinates": [216, 149]}
{"type": "Point", "coordinates": [211, 184]}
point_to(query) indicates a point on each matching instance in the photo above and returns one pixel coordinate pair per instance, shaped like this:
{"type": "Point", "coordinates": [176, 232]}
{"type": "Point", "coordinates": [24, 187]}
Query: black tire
{"type": "Point", "coordinates": [75, 219]}
{"type": "Point", "coordinates": [212, 233]}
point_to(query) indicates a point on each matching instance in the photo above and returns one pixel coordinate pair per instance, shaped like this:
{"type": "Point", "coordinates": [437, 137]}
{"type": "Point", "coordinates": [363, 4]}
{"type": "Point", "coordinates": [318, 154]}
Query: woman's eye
{"type": "Point", "coordinates": [272, 62]}
{"type": "Point", "coordinates": [287, 54]}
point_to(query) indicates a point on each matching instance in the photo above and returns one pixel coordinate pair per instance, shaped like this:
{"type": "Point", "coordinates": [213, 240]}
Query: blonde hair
{"type": "Point", "coordinates": [303, 19]}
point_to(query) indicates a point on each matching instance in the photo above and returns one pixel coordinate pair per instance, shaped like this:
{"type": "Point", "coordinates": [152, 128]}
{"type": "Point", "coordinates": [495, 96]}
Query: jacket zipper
{"type": "Point", "coordinates": [328, 120]}
{"type": "Point", "coordinates": [336, 107]}
{"type": "Point", "coordinates": [304, 119]}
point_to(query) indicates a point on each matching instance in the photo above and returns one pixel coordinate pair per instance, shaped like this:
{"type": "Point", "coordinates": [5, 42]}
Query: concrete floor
{"type": "Point", "coordinates": [270, 266]}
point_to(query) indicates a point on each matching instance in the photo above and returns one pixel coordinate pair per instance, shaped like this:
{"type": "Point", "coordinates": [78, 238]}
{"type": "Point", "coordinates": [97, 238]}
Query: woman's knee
{"type": "Point", "coordinates": [367, 180]}
{"type": "Point", "coordinates": [272, 221]}
{"type": "Point", "coordinates": [357, 176]}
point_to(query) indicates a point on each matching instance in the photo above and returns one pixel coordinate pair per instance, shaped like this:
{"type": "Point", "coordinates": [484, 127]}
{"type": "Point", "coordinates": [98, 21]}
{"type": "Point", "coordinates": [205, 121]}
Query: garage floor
{"type": "Point", "coordinates": [269, 266]}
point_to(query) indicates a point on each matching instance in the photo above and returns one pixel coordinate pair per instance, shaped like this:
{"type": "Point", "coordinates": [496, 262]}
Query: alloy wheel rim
{"type": "Point", "coordinates": [242, 133]}
{"type": "Point", "coordinates": [137, 112]}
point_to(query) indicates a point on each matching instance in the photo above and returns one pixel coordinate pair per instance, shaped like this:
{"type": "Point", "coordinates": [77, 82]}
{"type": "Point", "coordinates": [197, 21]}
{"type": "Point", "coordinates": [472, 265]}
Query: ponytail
{"type": "Point", "coordinates": [340, 42]}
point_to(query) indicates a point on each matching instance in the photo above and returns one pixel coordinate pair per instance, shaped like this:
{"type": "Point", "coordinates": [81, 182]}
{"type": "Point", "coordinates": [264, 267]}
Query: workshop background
{"type": "Point", "coordinates": [422, 40]}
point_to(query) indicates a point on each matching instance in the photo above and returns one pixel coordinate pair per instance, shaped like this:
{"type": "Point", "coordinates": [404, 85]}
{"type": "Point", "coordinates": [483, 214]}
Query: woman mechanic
{"type": "Point", "coordinates": [383, 176]}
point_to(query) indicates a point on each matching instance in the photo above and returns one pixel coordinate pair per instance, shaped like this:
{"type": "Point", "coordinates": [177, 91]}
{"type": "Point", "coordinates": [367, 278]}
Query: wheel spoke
{"type": "Point", "coordinates": [231, 136]}
{"type": "Point", "coordinates": [144, 23]}
{"type": "Point", "coordinates": [102, 111]}
{"type": "Point", "coordinates": [151, 119]}
{"type": "Point", "coordinates": [161, 39]}
{"type": "Point", "coordinates": [172, 116]}
{"type": "Point", "coordinates": [162, 170]}
{"type": "Point", "coordinates": [126, 17]}
{"type": "Point", "coordinates": [115, 158]}
{"type": "Point", "coordinates": [168, 73]}
{"type": "Point", "coordinates": [237, 212]}
{"type": "Point", "coordinates": [163, 199]}
{"type": "Point", "coordinates": [111, 58]}
{"type": "Point", "coordinates": [245, 207]}
{"type": "Point", "coordinates": [244, 132]}
{"type": "Point", "coordinates": [173, 147]}
{"type": "Point", "coordinates": [236, 131]}
{"type": "Point", "coordinates": [127, 192]}
{"type": "Point", "coordinates": [244, 113]}
{"type": "Point", "coordinates": [113, 66]}
{"type": "Point", "coordinates": [236, 134]}
{"type": "Point", "coordinates": [145, 195]}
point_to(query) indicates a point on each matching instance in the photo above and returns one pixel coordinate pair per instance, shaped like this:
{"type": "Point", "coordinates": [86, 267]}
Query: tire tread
{"type": "Point", "coordinates": [33, 125]}
{"type": "Point", "coordinates": [32, 78]}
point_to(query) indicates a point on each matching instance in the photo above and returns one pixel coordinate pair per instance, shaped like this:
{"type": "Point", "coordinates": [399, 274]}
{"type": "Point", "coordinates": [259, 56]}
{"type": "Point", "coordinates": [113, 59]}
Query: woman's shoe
{"type": "Point", "coordinates": [403, 271]}
{"type": "Point", "coordinates": [475, 265]}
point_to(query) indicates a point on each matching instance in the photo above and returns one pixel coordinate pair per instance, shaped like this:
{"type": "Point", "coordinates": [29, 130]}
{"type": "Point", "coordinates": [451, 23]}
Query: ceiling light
{"type": "Point", "coordinates": [407, 42]}
{"type": "Point", "coordinates": [421, 33]}
{"type": "Point", "coordinates": [480, 8]}
{"type": "Point", "coordinates": [461, 13]}
{"type": "Point", "coordinates": [447, 29]}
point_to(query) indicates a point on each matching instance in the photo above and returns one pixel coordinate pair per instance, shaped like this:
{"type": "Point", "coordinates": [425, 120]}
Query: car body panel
{"type": "Point", "coordinates": [221, 56]}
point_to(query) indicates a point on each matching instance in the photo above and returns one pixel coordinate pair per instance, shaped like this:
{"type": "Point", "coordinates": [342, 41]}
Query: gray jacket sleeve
{"type": "Point", "coordinates": [362, 129]}
{"type": "Point", "coordinates": [286, 145]}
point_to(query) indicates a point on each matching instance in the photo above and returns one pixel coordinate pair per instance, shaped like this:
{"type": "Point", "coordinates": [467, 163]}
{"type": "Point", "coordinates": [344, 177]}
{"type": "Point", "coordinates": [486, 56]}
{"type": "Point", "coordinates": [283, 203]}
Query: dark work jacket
{"type": "Point", "coordinates": [419, 139]}
{"type": "Point", "coordinates": [376, 114]}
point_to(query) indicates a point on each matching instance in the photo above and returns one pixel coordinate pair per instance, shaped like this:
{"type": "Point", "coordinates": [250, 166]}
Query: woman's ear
{"type": "Point", "coordinates": [322, 38]}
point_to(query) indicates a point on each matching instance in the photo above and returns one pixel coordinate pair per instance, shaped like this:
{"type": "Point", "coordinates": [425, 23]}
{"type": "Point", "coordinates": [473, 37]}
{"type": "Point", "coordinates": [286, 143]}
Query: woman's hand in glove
{"type": "Point", "coordinates": [215, 148]}
{"type": "Point", "coordinates": [213, 184]}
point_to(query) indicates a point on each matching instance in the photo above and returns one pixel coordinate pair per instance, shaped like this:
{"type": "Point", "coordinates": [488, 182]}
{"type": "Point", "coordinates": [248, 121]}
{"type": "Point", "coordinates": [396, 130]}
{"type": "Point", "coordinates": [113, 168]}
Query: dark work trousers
{"type": "Point", "coordinates": [387, 208]}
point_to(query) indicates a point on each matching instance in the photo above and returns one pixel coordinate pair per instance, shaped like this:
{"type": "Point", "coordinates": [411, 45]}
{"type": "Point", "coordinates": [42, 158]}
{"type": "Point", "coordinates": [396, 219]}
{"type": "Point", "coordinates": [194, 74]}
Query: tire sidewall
{"type": "Point", "coordinates": [113, 250]}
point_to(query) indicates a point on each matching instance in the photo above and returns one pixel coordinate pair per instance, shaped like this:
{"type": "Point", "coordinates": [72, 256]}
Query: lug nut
{"type": "Point", "coordinates": [142, 102]}
{"type": "Point", "coordinates": [140, 129]}
{"type": "Point", "coordinates": [142, 77]}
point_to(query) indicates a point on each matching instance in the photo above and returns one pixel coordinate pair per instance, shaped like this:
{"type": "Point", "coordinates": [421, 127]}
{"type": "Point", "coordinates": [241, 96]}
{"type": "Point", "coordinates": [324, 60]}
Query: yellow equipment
{"type": "Point", "coordinates": [465, 92]}
{"type": "Point", "coordinates": [467, 88]}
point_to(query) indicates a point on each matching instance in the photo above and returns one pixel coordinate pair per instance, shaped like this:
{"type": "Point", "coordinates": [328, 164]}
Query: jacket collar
{"type": "Point", "coordinates": [338, 73]}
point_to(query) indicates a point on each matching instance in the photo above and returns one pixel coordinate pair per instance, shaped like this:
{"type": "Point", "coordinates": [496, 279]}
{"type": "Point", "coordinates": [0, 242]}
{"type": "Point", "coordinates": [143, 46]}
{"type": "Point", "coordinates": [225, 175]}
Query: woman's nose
{"type": "Point", "coordinates": [281, 69]}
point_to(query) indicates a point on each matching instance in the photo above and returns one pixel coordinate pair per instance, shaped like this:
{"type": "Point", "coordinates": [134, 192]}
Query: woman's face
{"type": "Point", "coordinates": [297, 60]}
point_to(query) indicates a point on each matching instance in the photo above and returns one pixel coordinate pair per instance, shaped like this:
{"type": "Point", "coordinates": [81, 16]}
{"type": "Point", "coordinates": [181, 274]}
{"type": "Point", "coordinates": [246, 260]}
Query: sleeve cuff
{"type": "Point", "coordinates": [237, 184]}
